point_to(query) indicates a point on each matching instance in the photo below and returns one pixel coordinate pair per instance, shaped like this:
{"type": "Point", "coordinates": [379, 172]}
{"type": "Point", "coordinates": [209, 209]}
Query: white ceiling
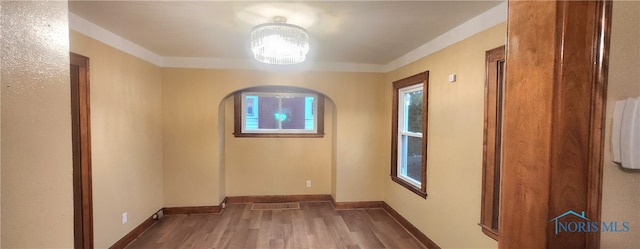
{"type": "Point", "coordinates": [353, 32]}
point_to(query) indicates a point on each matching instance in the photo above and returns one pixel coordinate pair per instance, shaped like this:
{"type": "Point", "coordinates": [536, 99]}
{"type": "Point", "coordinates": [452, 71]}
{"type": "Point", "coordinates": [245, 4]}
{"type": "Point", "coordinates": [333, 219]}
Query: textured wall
{"type": "Point", "coordinates": [37, 193]}
{"type": "Point", "coordinates": [620, 197]}
{"type": "Point", "coordinates": [454, 146]}
{"type": "Point", "coordinates": [126, 138]}
{"type": "Point", "coordinates": [1, 42]}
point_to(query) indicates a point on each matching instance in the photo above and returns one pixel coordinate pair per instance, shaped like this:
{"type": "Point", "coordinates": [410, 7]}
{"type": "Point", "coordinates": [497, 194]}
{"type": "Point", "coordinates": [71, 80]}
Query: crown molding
{"type": "Point", "coordinates": [482, 22]}
{"type": "Point", "coordinates": [214, 63]}
{"type": "Point", "coordinates": [486, 20]}
{"type": "Point", "coordinates": [107, 37]}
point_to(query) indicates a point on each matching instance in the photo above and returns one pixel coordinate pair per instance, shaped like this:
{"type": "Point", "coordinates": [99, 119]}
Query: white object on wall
{"type": "Point", "coordinates": [615, 132]}
{"type": "Point", "coordinates": [625, 140]}
{"type": "Point", "coordinates": [452, 78]}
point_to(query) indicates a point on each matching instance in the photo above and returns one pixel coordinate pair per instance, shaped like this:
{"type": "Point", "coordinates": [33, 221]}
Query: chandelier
{"type": "Point", "coordinates": [279, 42]}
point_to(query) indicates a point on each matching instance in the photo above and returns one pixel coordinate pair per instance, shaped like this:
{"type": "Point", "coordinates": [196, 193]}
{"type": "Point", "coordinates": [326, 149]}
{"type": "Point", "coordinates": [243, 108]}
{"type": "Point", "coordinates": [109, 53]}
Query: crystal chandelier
{"type": "Point", "coordinates": [279, 42]}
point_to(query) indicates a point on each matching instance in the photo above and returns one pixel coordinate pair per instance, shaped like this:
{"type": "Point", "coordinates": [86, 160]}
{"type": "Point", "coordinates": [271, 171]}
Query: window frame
{"type": "Point", "coordinates": [420, 78]}
{"type": "Point", "coordinates": [240, 106]}
{"type": "Point", "coordinates": [492, 141]}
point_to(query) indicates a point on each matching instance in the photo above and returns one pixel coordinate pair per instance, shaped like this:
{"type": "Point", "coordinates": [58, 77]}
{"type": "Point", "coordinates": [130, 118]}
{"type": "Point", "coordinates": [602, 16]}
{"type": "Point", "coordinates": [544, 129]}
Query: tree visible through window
{"type": "Point", "coordinates": [408, 166]}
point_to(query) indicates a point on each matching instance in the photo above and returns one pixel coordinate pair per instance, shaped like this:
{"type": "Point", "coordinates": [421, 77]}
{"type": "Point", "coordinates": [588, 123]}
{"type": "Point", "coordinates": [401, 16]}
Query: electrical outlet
{"type": "Point", "coordinates": [124, 217]}
{"type": "Point", "coordinates": [308, 183]}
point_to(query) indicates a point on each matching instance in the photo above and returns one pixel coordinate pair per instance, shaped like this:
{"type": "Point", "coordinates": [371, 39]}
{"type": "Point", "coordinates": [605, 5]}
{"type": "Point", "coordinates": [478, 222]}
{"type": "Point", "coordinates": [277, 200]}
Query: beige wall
{"type": "Point", "coordinates": [192, 163]}
{"type": "Point", "coordinates": [620, 196]}
{"type": "Point", "coordinates": [126, 138]}
{"type": "Point", "coordinates": [277, 166]}
{"type": "Point", "coordinates": [454, 153]}
{"type": "Point", "coordinates": [37, 196]}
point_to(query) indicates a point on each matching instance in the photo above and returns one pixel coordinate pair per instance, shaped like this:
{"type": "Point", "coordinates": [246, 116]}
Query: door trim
{"type": "Point", "coordinates": [555, 92]}
{"type": "Point", "coordinates": [81, 137]}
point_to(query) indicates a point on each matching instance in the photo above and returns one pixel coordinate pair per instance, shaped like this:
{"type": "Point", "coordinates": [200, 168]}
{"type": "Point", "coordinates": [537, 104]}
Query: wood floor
{"type": "Point", "coordinates": [314, 225]}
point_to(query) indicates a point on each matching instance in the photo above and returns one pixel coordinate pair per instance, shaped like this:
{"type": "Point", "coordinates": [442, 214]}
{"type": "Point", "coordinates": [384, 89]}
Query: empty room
{"type": "Point", "coordinates": [320, 124]}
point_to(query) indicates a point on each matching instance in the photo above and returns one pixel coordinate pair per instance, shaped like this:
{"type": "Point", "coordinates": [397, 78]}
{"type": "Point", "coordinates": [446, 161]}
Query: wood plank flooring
{"type": "Point", "coordinates": [314, 225]}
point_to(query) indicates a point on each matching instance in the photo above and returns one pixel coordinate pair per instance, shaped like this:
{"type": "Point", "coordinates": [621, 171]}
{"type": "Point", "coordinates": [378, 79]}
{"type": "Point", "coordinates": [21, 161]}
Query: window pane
{"type": "Point", "coordinates": [268, 112]}
{"type": "Point", "coordinates": [413, 102]}
{"type": "Point", "coordinates": [251, 117]}
{"type": "Point", "coordinates": [411, 164]}
{"type": "Point", "coordinates": [293, 113]}
{"type": "Point", "coordinates": [250, 106]}
{"type": "Point", "coordinates": [309, 113]}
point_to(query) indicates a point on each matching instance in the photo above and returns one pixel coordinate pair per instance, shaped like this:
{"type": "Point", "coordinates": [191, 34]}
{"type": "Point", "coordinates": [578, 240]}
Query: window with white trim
{"type": "Point", "coordinates": [410, 134]}
{"type": "Point", "coordinates": [408, 167]}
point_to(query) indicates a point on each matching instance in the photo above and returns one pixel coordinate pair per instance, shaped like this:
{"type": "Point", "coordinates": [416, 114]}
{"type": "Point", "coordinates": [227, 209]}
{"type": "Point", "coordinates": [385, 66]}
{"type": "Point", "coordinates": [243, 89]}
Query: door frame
{"type": "Point", "coordinates": [81, 137]}
{"type": "Point", "coordinates": [554, 113]}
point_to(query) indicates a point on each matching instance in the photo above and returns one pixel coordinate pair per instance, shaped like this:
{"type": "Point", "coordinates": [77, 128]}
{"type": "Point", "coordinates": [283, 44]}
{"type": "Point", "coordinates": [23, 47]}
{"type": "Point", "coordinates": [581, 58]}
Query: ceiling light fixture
{"type": "Point", "coordinates": [279, 42]}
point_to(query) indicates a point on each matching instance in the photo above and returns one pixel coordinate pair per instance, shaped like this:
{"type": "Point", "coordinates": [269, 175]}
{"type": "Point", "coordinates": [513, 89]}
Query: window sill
{"type": "Point", "coordinates": [489, 232]}
{"type": "Point", "coordinates": [280, 135]}
{"type": "Point", "coordinates": [409, 186]}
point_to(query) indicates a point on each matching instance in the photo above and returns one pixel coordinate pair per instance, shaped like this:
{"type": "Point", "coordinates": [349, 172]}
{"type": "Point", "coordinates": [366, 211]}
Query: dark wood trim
{"type": "Point", "coordinates": [410, 227]}
{"type": "Point", "coordinates": [320, 114]}
{"type": "Point", "coordinates": [553, 121]}
{"type": "Point", "coordinates": [237, 113]}
{"type": "Point", "coordinates": [223, 203]}
{"type": "Point", "coordinates": [81, 143]}
{"type": "Point", "coordinates": [526, 125]}
{"type": "Point", "coordinates": [280, 135]}
{"type": "Point", "coordinates": [122, 243]}
{"type": "Point", "coordinates": [411, 80]}
{"type": "Point", "coordinates": [425, 133]}
{"type": "Point", "coordinates": [409, 186]}
{"type": "Point", "coordinates": [356, 204]}
{"type": "Point", "coordinates": [492, 233]}
{"type": "Point", "coordinates": [192, 210]}
{"type": "Point", "coordinates": [277, 198]}
{"type": "Point", "coordinates": [598, 116]}
{"type": "Point", "coordinates": [494, 83]}
{"type": "Point", "coordinates": [197, 209]}
{"type": "Point", "coordinates": [578, 118]}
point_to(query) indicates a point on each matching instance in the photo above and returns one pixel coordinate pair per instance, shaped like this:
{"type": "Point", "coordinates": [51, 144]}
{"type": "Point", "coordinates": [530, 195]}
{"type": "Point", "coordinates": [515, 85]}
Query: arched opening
{"type": "Point", "coordinates": [258, 166]}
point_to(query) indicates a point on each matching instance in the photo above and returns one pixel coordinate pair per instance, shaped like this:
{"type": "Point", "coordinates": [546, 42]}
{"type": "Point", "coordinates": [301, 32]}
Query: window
{"type": "Point", "coordinates": [494, 84]}
{"type": "Point", "coordinates": [409, 129]}
{"type": "Point", "coordinates": [278, 112]}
